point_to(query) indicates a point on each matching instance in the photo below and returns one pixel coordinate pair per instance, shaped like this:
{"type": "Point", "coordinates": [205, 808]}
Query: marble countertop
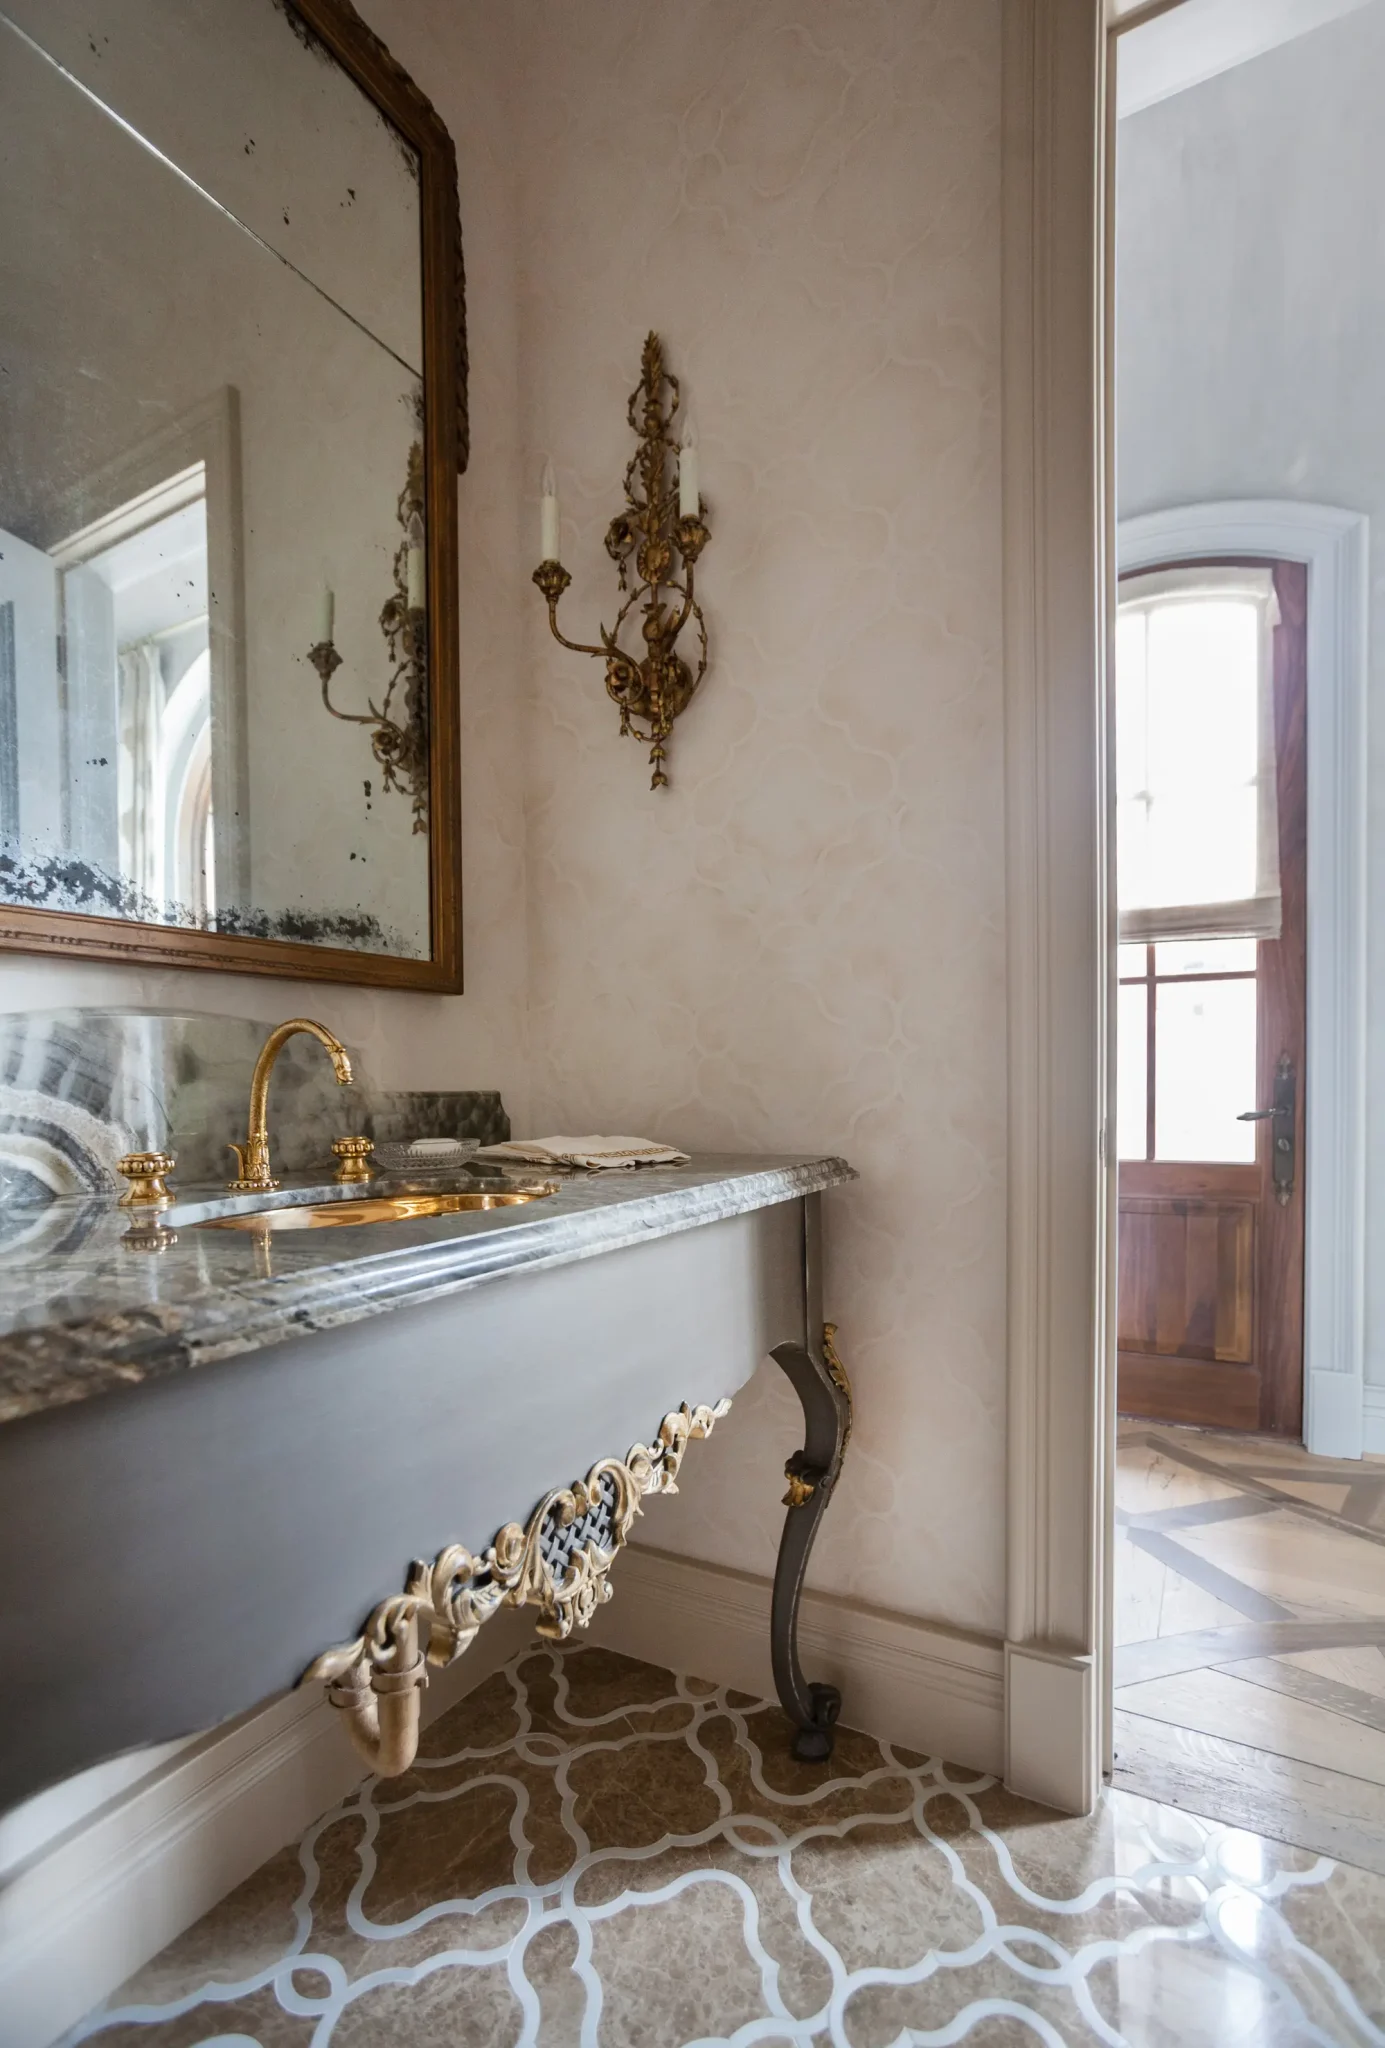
{"type": "Point", "coordinates": [87, 1308]}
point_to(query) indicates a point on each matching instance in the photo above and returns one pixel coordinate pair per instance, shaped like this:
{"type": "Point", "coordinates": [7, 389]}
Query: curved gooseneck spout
{"type": "Point", "coordinates": [253, 1156]}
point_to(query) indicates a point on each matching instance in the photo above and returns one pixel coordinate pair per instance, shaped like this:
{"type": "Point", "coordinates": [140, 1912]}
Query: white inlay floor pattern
{"type": "Point", "coordinates": [1250, 1629]}
{"type": "Point", "coordinates": [594, 1854]}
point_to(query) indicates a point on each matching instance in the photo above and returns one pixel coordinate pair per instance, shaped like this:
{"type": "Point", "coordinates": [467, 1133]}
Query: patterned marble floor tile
{"type": "Point", "coordinates": [591, 1853]}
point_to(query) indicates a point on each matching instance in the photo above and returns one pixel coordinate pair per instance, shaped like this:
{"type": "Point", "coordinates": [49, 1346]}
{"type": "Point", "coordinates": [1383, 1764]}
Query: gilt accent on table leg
{"type": "Point", "coordinates": [819, 1379]}
{"type": "Point", "coordinates": [559, 1561]}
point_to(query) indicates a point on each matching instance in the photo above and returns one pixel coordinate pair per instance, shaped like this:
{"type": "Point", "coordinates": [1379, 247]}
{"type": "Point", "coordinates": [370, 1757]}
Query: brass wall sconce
{"type": "Point", "coordinates": [657, 523]}
{"type": "Point", "coordinates": [400, 748]}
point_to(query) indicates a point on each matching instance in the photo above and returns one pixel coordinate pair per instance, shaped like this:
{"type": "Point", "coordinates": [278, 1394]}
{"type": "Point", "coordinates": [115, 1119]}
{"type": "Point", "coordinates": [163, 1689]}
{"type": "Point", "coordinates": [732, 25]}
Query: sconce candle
{"type": "Point", "coordinates": [689, 500]}
{"type": "Point", "coordinates": [548, 515]}
{"type": "Point", "coordinates": [413, 563]}
{"type": "Point", "coordinates": [327, 619]}
{"type": "Point", "coordinates": [658, 685]}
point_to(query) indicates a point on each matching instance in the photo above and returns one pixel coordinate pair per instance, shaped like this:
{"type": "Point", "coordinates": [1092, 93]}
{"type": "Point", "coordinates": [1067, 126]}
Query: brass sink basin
{"type": "Point", "coordinates": [376, 1209]}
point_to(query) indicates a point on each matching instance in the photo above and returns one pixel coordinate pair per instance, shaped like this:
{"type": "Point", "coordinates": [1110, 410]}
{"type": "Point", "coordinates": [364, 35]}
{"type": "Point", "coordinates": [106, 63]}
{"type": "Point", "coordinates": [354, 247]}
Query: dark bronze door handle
{"type": "Point", "coordinates": [1283, 1119]}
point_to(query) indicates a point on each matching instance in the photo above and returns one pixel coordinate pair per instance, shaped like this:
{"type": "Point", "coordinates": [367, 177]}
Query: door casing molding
{"type": "Point", "coordinates": [1058, 1341]}
{"type": "Point", "coordinates": [1335, 545]}
{"type": "Point", "coordinates": [1058, 583]}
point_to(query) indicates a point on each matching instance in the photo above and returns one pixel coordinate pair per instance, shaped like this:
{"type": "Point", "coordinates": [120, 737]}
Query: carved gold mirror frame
{"type": "Point", "coordinates": [445, 450]}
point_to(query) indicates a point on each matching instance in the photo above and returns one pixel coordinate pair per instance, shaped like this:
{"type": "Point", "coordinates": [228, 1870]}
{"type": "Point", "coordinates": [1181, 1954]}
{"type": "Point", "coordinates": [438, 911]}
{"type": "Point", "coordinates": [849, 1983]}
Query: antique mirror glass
{"type": "Point", "coordinates": [229, 431]}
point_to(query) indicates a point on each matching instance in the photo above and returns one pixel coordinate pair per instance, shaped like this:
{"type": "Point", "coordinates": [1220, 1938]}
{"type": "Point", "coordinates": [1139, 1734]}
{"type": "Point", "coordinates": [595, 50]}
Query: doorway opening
{"type": "Point", "coordinates": [1249, 1542]}
{"type": "Point", "coordinates": [1211, 864]}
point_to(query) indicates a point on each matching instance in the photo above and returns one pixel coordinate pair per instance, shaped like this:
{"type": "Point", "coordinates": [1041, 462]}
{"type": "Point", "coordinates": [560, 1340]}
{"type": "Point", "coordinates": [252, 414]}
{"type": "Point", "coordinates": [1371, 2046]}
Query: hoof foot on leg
{"type": "Point", "coordinates": [813, 1745]}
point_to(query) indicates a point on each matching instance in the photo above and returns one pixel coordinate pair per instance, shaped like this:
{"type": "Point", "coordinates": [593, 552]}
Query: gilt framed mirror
{"type": "Point", "coordinates": [232, 413]}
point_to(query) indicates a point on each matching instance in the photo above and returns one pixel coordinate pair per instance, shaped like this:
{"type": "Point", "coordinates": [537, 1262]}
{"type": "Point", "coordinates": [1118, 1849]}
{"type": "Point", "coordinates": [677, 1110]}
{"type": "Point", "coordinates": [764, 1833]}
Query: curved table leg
{"type": "Point", "coordinates": [820, 1381]}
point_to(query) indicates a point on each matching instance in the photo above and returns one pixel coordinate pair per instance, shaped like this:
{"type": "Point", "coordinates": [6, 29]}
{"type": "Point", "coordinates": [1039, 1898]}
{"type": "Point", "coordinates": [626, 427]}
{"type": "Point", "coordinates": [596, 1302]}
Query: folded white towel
{"type": "Point", "coordinates": [593, 1151]}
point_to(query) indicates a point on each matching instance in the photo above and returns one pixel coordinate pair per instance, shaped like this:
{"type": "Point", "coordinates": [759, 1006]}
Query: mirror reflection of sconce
{"type": "Point", "coordinates": [401, 748]}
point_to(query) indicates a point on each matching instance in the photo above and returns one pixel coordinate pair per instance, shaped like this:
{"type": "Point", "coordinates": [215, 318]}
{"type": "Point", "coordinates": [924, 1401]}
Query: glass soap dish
{"type": "Point", "coordinates": [426, 1155]}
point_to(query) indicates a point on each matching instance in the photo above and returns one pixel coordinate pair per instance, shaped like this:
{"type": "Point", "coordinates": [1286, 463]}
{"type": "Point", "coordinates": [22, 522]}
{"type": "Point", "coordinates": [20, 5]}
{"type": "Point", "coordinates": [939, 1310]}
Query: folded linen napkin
{"type": "Point", "coordinates": [594, 1152]}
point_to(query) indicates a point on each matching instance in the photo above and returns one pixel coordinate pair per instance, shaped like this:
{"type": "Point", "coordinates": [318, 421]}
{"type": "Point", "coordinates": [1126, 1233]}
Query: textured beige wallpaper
{"type": "Point", "coordinates": [799, 945]}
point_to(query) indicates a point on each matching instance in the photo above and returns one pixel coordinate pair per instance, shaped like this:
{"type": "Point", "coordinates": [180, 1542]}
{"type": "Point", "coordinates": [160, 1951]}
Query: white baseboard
{"type": "Point", "coordinates": [1334, 1405]}
{"type": "Point", "coordinates": [91, 1906]}
{"type": "Point", "coordinates": [915, 1683]}
{"type": "Point", "coordinates": [1374, 1445]}
{"type": "Point", "coordinates": [1051, 1716]}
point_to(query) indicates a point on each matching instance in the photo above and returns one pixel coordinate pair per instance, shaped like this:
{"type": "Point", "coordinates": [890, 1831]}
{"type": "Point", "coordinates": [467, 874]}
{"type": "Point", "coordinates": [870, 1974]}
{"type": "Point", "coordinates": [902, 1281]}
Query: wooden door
{"type": "Point", "coordinates": [1210, 1264]}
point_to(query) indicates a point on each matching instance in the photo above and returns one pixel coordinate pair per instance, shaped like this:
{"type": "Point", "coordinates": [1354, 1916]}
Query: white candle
{"type": "Point", "coordinates": [689, 500]}
{"type": "Point", "coordinates": [548, 516]}
{"type": "Point", "coordinates": [415, 578]}
{"type": "Point", "coordinates": [326, 618]}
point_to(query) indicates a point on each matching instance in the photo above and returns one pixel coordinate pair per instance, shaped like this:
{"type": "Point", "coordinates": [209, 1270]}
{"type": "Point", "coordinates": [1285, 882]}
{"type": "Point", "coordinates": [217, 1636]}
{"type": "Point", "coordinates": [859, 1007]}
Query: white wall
{"type": "Point", "coordinates": [1251, 305]}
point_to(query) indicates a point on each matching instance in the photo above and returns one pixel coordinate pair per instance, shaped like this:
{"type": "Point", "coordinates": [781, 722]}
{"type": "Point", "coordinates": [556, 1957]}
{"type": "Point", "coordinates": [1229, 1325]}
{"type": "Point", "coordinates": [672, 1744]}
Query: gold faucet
{"type": "Point", "coordinates": [253, 1155]}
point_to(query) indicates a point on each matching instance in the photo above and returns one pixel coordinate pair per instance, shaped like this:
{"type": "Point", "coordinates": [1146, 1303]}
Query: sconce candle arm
{"type": "Point", "coordinates": [579, 646]}
{"type": "Point", "coordinates": [399, 745]}
{"type": "Point", "coordinates": [326, 660]}
{"type": "Point", "coordinates": [609, 651]}
{"type": "Point", "coordinates": [573, 646]}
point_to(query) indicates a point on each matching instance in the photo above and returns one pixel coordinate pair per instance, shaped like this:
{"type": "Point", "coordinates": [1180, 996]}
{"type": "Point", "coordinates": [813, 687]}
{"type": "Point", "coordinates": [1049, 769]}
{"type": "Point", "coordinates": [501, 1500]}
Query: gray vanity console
{"type": "Point", "coordinates": [221, 1449]}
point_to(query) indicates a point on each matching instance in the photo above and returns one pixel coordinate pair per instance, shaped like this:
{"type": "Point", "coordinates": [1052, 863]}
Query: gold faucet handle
{"type": "Point", "coordinates": [145, 1173]}
{"type": "Point", "coordinates": [354, 1154]}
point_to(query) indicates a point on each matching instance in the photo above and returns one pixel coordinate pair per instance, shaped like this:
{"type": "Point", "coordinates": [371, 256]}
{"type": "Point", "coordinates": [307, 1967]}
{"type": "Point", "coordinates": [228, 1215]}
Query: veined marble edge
{"type": "Point", "coordinates": [415, 1282]}
{"type": "Point", "coordinates": [274, 1311]}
